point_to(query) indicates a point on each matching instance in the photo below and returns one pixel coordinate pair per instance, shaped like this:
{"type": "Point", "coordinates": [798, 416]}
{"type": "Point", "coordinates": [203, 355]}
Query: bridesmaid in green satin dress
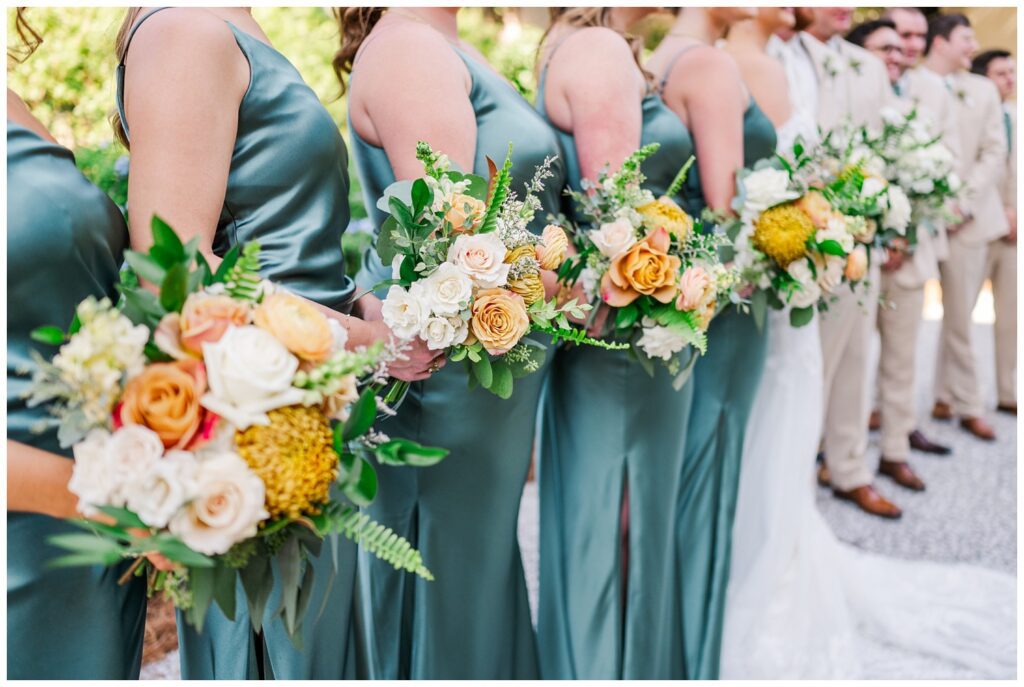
{"type": "Point", "coordinates": [703, 86]}
{"type": "Point", "coordinates": [229, 144]}
{"type": "Point", "coordinates": [413, 79]}
{"type": "Point", "coordinates": [65, 240]}
{"type": "Point", "coordinates": [613, 436]}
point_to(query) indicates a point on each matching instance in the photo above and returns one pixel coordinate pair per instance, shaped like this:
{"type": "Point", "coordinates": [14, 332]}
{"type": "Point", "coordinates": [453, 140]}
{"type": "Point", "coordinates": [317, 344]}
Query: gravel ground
{"type": "Point", "coordinates": [968, 513]}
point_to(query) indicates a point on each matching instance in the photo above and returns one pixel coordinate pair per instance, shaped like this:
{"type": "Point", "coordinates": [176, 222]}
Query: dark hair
{"type": "Point", "coordinates": [979, 65]}
{"type": "Point", "coordinates": [859, 34]}
{"type": "Point", "coordinates": [354, 25]}
{"type": "Point", "coordinates": [29, 38]}
{"type": "Point", "coordinates": [943, 25]}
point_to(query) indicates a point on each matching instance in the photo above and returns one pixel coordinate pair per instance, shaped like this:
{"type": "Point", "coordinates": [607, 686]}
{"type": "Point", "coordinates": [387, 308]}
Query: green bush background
{"type": "Point", "coordinates": [69, 82]}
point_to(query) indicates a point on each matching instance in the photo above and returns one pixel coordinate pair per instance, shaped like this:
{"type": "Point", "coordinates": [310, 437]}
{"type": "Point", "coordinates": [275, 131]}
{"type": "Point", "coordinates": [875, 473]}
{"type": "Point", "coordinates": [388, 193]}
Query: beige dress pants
{"type": "Point", "coordinates": [956, 377]}
{"type": "Point", "coordinates": [845, 332]}
{"type": "Point", "coordinates": [1002, 270]}
{"type": "Point", "coordinates": [898, 325]}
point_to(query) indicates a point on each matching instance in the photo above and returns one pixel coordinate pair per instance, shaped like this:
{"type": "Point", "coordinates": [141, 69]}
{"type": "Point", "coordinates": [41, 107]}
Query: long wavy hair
{"type": "Point", "coordinates": [583, 17]}
{"type": "Point", "coordinates": [120, 50]}
{"type": "Point", "coordinates": [28, 38]}
{"type": "Point", "coordinates": [354, 25]}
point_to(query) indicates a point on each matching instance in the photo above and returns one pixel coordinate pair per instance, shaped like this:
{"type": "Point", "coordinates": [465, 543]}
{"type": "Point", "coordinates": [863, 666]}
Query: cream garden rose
{"type": "Point", "coordinates": [765, 188]}
{"type": "Point", "coordinates": [249, 373]}
{"type": "Point", "coordinates": [614, 238]}
{"type": "Point", "coordinates": [482, 258]}
{"type": "Point", "coordinates": [227, 506]}
{"type": "Point", "coordinates": [405, 310]}
{"type": "Point", "coordinates": [164, 489]}
{"type": "Point", "coordinates": [448, 290]}
{"type": "Point", "coordinates": [443, 332]}
{"type": "Point", "coordinates": [108, 465]}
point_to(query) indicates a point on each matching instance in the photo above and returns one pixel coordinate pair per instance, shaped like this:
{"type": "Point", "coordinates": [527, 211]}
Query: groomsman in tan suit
{"type": "Point", "coordinates": [983, 153]}
{"type": "Point", "coordinates": [851, 84]}
{"type": "Point", "coordinates": [903, 277]}
{"type": "Point", "coordinates": [999, 66]}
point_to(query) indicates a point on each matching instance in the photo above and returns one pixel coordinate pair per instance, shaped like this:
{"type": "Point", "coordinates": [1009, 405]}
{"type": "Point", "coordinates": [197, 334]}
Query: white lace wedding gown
{"type": "Point", "coordinates": [802, 604]}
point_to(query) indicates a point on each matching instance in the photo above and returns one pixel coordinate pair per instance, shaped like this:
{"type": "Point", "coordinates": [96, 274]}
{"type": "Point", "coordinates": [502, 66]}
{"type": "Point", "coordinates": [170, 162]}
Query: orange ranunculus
{"type": "Point", "coordinates": [499, 319]}
{"type": "Point", "coordinates": [165, 398]}
{"type": "Point", "coordinates": [646, 269]}
{"type": "Point", "coordinates": [297, 324]}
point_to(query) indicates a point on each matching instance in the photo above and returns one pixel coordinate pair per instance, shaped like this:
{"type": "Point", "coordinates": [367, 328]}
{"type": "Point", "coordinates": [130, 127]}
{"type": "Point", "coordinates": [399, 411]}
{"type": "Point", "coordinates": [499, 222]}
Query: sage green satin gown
{"type": "Point", "coordinates": [64, 243]}
{"type": "Point", "coordinates": [288, 189]}
{"type": "Point", "coordinates": [725, 381]}
{"type": "Point", "coordinates": [473, 620]}
{"type": "Point", "coordinates": [610, 427]}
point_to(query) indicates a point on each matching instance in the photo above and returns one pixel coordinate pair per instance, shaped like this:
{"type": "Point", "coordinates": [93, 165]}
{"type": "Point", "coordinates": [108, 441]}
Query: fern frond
{"type": "Point", "coordinates": [498, 195]}
{"type": "Point", "coordinates": [677, 184]}
{"type": "Point", "coordinates": [381, 541]}
{"type": "Point", "coordinates": [244, 278]}
{"type": "Point", "coordinates": [579, 337]}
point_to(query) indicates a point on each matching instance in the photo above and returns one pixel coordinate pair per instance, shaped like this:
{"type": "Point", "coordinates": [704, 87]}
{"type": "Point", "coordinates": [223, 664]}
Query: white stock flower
{"type": "Point", "coordinates": [589, 280]}
{"type": "Point", "coordinates": [226, 508]}
{"type": "Point", "coordinates": [765, 188]}
{"type": "Point", "coordinates": [442, 332]}
{"type": "Point", "coordinates": [660, 342]}
{"type": "Point", "coordinates": [872, 186]}
{"type": "Point", "coordinates": [448, 291]}
{"type": "Point", "coordinates": [613, 238]}
{"type": "Point", "coordinates": [836, 230]}
{"type": "Point", "coordinates": [164, 489]}
{"type": "Point", "coordinates": [897, 214]}
{"type": "Point", "coordinates": [404, 311]}
{"type": "Point", "coordinates": [249, 373]}
{"type": "Point", "coordinates": [808, 291]}
{"type": "Point", "coordinates": [482, 258]}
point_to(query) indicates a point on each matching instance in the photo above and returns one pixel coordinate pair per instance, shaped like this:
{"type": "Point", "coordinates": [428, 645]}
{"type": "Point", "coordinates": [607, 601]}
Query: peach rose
{"type": "Point", "coordinates": [816, 207]}
{"type": "Point", "coordinates": [552, 248]}
{"type": "Point", "coordinates": [296, 323]}
{"type": "Point", "coordinates": [204, 318]}
{"type": "Point", "coordinates": [694, 288]}
{"type": "Point", "coordinates": [499, 320]}
{"type": "Point", "coordinates": [465, 212]}
{"type": "Point", "coordinates": [645, 269]}
{"type": "Point", "coordinates": [165, 399]}
{"type": "Point", "coordinates": [856, 264]}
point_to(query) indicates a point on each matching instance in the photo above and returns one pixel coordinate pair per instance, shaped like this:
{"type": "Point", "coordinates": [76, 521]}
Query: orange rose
{"type": "Point", "coordinates": [204, 319]}
{"type": "Point", "coordinates": [499, 320]}
{"type": "Point", "coordinates": [297, 324]}
{"type": "Point", "coordinates": [645, 269]}
{"type": "Point", "coordinates": [165, 398]}
{"type": "Point", "coordinates": [816, 207]}
{"type": "Point", "coordinates": [465, 212]}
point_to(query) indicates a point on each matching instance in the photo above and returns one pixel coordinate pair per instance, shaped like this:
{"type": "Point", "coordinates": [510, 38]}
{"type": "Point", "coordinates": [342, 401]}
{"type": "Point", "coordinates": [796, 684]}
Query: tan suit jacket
{"type": "Point", "coordinates": [852, 83]}
{"type": "Point", "coordinates": [982, 156]}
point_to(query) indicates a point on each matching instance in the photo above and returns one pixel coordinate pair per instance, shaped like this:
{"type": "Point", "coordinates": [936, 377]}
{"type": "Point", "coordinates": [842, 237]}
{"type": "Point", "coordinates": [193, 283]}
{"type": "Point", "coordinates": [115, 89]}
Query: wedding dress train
{"type": "Point", "coordinates": [802, 604]}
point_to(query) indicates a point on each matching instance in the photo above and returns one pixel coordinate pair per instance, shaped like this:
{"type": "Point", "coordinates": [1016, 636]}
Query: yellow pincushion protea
{"type": "Point", "coordinates": [781, 233]}
{"type": "Point", "coordinates": [665, 213]}
{"type": "Point", "coordinates": [529, 286]}
{"type": "Point", "coordinates": [294, 457]}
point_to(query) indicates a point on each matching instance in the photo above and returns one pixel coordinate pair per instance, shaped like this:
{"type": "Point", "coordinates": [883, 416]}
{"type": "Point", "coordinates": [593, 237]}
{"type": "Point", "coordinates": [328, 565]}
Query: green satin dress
{"type": "Point", "coordinates": [64, 243]}
{"type": "Point", "coordinates": [288, 189]}
{"type": "Point", "coordinates": [725, 381]}
{"type": "Point", "coordinates": [473, 620]}
{"type": "Point", "coordinates": [610, 427]}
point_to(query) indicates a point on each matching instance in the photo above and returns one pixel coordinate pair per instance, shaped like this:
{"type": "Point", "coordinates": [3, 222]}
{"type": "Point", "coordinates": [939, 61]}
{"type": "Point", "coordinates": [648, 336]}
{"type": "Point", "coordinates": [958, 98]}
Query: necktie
{"type": "Point", "coordinates": [897, 87]}
{"type": "Point", "coordinates": [1009, 133]}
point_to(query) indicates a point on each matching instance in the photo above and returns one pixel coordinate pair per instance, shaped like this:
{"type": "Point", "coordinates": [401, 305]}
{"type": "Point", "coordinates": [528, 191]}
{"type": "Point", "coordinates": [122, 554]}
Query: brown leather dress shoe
{"type": "Point", "coordinates": [1008, 408]}
{"type": "Point", "coordinates": [824, 477]}
{"type": "Point", "coordinates": [978, 427]}
{"type": "Point", "coordinates": [919, 442]}
{"type": "Point", "coordinates": [901, 474]}
{"type": "Point", "coordinates": [870, 501]}
{"type": "Point", "coordinates": [875, 421]}
{"type": "Point", "coordinates": [942, 411]}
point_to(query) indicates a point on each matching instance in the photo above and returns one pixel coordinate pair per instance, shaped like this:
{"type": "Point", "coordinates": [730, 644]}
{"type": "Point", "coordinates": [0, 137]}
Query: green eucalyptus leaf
{"type": "Point", "coordinates": [224, 590]}
{"type": "Point", "coordinates": [501, 384]}
{"type": "Point", "coordinates": [257, 581]}
{"type": "Point", "coordinates": [289, 563]}
{"type": "Point", "coordinates": [626, 317]}
{"type": "Point", "coordinates": [759, 308]}
{"type": "Point", "coordinates": [363, 490]}
{"type": "Point", "coordinates": [177, 551]}
{"type": "Point", "coordinates": [49, 335]}
{"type": "Point", "coordinates": [200, 582]}
{"type": "Point", "coordinates": [407, 452]}
{"type": "Point", "coordinates": [386, 245]}
{"type": "Point", "coordinates": [798, 317]}
{"type": "Point", "coordinates": [174, 288]}
{"type": "Point", "coordinates": [422, 196]}
{"type": "Point", "coordinates": [122, 516]}
{"type": "Point", "coordinates": [832, 247]}
{"type": "Point", "coordinates": [145, 266]}
{"type": "Point", "coordinates": [361, 416]}
{"type": "Point", "coordinates": [167, 243]}
{"type": "Point", "coordinates": [227, 264]}
{"type": "Point", "coordinates": [483, 371]}
{"type": "Point", "coordinates": [75, 560]}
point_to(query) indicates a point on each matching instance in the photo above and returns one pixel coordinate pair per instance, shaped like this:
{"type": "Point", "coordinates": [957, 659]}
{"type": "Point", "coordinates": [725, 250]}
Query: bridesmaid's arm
{"type": "Point", "coordinates": [705, 89]}
{"type": "Point", "coordinates": [37, 482]}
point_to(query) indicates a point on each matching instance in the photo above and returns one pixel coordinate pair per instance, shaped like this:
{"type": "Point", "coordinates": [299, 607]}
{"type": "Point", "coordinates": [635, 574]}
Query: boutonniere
{"type": "Point", "coordinates": [962, 96]}
{"type": "Point", "coordinates": [832, 67]}
{"type": "Point", "coordinates": [855, 65]}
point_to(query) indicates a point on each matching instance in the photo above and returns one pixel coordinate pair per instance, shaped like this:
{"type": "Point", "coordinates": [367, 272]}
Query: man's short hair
{"type": "Point", "coordinates": [943, 25]}
{"type": "Point", "coordinates": [979, 65]}
{"type": "Point", "coordinates": [893, 10]}
{"type": "Point", "coordinates": [859, 34]}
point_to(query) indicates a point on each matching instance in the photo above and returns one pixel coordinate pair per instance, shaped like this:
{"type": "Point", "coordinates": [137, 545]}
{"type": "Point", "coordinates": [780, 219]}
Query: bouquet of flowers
{"type": "Point", "coordinates": [221, 423]}
{"type": "Point", "coordinates": [792, 248]}
{"type": "Point", "coordinates": [467, 271]}
{"type": "Point", "coordinates": [645, 258]}
{"type": "Point", "coordinates": [857, 186]}
{"type": "Point", "coordinates": [918, 162]}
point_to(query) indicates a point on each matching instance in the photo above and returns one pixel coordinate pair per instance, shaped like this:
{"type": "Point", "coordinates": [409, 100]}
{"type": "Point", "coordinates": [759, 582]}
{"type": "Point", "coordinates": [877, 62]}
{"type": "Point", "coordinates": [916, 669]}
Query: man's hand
{"type": "Point", "coordinates": [1011, 219]}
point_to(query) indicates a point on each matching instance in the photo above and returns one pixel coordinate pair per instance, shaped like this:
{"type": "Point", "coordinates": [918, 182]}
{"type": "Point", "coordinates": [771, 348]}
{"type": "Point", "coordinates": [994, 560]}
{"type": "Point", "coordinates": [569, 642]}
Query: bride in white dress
{"type": "Point", "coordinates": [800, 603]}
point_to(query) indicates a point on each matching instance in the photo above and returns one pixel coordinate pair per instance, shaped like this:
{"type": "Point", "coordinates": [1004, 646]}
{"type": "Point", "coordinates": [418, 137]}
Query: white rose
{"type": "Point", "coordinates": [164, 489]}
{"type": "Point", "coordinates": [923, 186]}
{"type": "Point", "coordinates": [404, 311]}
{"type": "Point", "coordinates": [448, 290]}
{"type": "Point", "coordinates": [93, 480]}
{"type": "Point", "coordinates": [836, 230]}
{"type": "Point", "coordinates": [872, 187]}
{"type": "Point", "coordinates": [226, 508]}
{"type": "Point", "coordinates": [765, 188]}
{"type": "Point", "coordinates": [808, 292]}
{"type": "Point", "coordinates": [249, 373]}
{"type": "Point", "coordinates": [660, 342]}
{"type": "Point", "coordinates": [442, 332]}
{"type": "Point", "coordinates": [613, 238]}
{"type": "Point", "coordinates": [482, 258]}
{"type": "Point", "coordinates": [897, 215]}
